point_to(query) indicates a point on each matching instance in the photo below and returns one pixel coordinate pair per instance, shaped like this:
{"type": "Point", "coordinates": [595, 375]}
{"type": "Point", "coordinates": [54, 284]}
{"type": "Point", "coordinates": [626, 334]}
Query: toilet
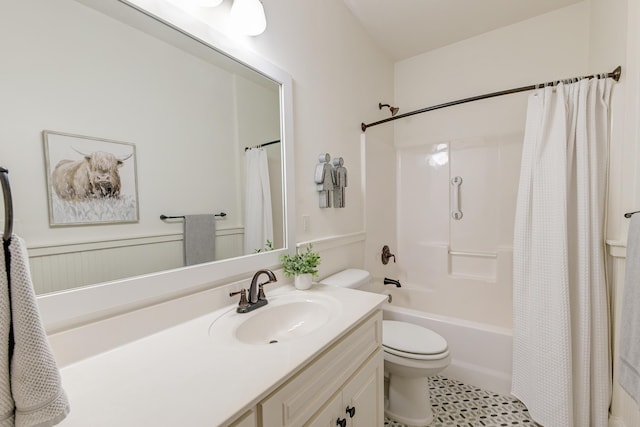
{"type": "Point", "coordinates": [412, 353]}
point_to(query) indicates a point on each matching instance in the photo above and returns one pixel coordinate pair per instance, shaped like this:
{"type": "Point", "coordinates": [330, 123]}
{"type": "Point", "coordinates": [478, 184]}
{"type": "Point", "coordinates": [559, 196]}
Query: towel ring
{"type": "Point", "coordinates": [8, 205]}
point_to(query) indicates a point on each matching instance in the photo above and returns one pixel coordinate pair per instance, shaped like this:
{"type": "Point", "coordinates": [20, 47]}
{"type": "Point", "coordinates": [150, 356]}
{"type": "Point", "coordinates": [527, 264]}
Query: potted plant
{"type": "Point", "coordinates": [302, 266]}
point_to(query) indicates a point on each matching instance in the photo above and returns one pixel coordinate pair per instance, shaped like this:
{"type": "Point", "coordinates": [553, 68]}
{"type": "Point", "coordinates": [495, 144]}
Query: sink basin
{"type": "Point", "coordinates": [285, 318]}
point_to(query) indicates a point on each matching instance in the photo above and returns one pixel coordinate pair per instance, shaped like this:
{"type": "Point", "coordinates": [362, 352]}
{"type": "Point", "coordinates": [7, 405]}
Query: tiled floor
{"type": "Point", "coordinates": [459, 405]}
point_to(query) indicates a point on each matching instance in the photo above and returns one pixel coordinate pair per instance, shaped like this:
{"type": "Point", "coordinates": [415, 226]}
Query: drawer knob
{"type": "Point", "coordinates": [351, 410]}
{"type": "Point", "coordinates": [342, 422]}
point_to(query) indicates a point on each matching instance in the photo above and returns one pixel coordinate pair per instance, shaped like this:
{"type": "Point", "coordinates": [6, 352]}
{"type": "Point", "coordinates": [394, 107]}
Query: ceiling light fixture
{"type": "Point", "coordinates": [248, 17]}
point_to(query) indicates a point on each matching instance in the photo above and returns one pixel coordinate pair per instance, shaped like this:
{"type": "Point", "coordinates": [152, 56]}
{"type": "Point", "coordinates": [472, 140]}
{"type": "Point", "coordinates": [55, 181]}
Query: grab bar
{"type": "Point", "coordinates": [456, 213]}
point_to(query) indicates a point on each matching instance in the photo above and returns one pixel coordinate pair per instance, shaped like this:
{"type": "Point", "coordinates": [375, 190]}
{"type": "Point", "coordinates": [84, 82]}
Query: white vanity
{"type": "Point", "coordinates": [205, 372]}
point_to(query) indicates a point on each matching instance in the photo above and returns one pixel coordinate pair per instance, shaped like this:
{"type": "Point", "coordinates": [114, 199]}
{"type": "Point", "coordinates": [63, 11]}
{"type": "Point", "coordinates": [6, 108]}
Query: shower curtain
{"type": "Point", "coordinates": [561, 361]}
{"type": "Point", "coordinates": [258, 217]}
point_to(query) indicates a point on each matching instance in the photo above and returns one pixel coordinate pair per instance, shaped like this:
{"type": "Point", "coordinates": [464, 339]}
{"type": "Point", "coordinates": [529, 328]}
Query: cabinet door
{"type": "Point", "coordinates": [328, 417]}
{"type": "Point", "coordinates": [362, 396]}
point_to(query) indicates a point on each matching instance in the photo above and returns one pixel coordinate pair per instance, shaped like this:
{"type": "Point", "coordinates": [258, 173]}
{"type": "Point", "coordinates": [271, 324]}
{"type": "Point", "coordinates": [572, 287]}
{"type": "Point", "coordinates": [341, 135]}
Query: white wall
{"type": "Point", "coordinates": [468, 262]}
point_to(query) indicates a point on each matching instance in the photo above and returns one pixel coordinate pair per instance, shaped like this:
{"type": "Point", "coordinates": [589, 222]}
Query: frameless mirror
{"type": "Point", "coordinates": [174, 112]}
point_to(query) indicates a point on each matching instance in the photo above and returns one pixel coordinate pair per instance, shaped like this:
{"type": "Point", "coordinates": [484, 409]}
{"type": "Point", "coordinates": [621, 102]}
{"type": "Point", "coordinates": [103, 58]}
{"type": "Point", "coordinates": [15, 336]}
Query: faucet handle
{"type": "Point", "coordinates": [261, 295]}
{"type": "Point", "coordinates": [243, 297]}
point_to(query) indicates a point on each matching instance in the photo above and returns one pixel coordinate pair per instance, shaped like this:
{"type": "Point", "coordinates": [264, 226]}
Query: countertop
{"type": "Point", "coordinates": [187, 376]}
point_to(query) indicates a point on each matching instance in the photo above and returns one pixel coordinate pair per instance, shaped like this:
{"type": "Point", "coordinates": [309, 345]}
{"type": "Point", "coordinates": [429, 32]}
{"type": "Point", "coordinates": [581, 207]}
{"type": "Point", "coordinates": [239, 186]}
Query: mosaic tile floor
{"type": "Point", "coordinates": [459, 405]}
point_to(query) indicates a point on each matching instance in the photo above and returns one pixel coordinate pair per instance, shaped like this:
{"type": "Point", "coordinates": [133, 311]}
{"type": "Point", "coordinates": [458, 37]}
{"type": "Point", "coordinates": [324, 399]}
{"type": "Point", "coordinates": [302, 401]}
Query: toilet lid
{"type": "Point", "coordinates": [409, 338]}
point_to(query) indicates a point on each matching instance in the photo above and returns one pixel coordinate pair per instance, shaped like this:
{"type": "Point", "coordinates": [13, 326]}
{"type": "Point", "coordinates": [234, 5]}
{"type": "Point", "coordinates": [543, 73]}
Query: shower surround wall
{"type": "Point", "coordinates": [466, 264]}
{"type": "Point", "coordinates": [467, 260]}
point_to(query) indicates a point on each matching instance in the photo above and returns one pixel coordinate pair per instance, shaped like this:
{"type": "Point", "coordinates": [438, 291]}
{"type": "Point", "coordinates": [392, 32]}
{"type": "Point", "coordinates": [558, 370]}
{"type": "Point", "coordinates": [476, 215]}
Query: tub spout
{"type": "Point", "coordinates": [388, 281]}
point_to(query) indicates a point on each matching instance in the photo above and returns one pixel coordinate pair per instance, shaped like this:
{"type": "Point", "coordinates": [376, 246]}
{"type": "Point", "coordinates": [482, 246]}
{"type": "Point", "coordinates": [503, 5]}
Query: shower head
{"type": "Point", "coordinates": [394, 110]}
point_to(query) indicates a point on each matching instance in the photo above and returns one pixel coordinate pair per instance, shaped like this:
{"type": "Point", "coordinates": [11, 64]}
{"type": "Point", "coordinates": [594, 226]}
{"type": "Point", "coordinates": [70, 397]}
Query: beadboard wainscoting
{"type": "Point", "coordinates": [63, 266]}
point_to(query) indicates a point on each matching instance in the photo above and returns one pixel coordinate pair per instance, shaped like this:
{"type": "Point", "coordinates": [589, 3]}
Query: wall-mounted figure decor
{"type": "Point", "coordinates": [324, 180]}
{"type": "Point", "coordinates": [90, 180]}
{"type": "Point", "coordinates": [339, 182]}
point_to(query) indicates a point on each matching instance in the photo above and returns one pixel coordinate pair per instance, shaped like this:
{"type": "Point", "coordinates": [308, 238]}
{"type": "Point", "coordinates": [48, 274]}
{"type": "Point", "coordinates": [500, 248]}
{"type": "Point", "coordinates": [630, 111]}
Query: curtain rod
{"type": "Point", "coordinates": [262, 145]}
{"type": "Point", "coordinates": [615, 74]}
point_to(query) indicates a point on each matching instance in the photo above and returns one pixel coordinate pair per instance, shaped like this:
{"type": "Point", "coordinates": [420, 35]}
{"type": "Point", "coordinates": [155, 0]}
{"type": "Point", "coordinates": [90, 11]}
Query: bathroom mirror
{"type": "Point", "coordinates": [144, 73]}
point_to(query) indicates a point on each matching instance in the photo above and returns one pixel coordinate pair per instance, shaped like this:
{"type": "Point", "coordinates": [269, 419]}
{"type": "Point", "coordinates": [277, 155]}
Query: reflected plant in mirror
{"type": "Point", "coordinates": [190, 110]}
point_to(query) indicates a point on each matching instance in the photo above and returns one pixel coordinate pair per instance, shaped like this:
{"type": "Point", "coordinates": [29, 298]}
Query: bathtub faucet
{"type": "Point", "coordinates": [388, 281]}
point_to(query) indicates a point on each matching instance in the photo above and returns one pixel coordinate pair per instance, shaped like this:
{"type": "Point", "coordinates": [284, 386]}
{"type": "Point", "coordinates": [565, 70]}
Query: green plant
{"type": "Point", "coordinates": [301, 263]}
{"type": "Point", "coordinates": [267, 247]}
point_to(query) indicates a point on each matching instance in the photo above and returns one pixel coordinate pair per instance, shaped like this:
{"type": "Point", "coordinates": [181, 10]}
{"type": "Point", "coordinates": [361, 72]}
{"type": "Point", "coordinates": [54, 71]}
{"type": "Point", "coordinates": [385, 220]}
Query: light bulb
{"type": "Point", "coordinates": [248, 17]}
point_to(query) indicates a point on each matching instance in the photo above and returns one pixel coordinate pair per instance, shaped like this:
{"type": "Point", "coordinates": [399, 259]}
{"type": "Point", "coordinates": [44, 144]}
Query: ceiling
{"type": "Point", "coordinates": [405, 28]}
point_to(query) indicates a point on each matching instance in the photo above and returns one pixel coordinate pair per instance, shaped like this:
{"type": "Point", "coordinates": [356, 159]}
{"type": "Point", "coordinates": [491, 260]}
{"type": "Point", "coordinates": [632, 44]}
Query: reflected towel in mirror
{"type": "Point", "coordinates": [199, 239]}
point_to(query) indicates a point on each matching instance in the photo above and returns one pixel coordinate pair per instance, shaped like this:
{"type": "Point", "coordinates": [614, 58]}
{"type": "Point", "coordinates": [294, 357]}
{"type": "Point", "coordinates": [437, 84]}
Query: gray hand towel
{"type": "Point", "coordinates": [629, 369]}
{"type": "Point", "coordinates": [199, 239]}
{"type": "Point", "coordinates": [31, 391]}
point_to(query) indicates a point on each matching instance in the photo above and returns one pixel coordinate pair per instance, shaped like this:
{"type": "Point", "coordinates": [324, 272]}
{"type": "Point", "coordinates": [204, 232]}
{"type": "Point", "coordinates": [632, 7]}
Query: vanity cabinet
{"type": "Point", "coordinates": [359, 403]}
{"type": "Point", "coordinates": [347, 375]}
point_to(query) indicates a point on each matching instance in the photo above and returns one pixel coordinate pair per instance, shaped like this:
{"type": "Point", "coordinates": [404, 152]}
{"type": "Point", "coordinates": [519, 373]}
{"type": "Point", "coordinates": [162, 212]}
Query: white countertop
{"type": "Point", "coordinates": [185, 376]}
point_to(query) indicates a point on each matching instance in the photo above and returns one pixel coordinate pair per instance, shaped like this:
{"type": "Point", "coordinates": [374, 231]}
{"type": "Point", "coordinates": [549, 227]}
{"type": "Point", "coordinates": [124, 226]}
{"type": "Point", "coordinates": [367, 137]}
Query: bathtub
{"type": "Point", "coordinates": [481, 353]}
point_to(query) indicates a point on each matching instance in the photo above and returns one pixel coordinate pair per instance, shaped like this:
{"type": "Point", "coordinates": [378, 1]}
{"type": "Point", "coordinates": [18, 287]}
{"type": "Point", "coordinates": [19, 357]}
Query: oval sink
{"type": "Point", "coordinates": [282, 323]}
{"type": "Point", "coordinates": [284, 318]}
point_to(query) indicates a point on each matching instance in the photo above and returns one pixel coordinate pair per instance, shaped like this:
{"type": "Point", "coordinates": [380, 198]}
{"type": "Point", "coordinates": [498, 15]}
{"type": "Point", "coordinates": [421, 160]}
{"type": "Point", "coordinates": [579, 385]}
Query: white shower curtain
{"type": "Point", "coordinates": [258, 216]}
{"type": "Point", "coordinates": [561, 361]}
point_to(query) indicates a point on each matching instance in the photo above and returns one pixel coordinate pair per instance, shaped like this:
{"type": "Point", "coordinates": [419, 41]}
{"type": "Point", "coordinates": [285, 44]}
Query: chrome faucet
{"type": "Point", "coordinates": [257, 298]}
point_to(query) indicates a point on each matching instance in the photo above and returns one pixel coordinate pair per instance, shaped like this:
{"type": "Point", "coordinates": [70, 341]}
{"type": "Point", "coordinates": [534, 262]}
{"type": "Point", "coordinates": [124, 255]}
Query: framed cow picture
{"type": "Point", "coordinates": [90, 180]}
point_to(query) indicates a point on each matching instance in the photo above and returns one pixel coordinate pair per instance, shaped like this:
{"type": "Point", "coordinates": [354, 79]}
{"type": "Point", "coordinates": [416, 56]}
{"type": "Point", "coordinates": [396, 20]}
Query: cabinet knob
{"type": "Point", "coordinates": [351, 410]}
{"type": "Point", "coordinates": [342, 422]}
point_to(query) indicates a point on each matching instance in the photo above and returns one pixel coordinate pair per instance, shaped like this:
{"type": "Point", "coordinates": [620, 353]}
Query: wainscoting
{"type": "Point", "coordinates": [59, 267]}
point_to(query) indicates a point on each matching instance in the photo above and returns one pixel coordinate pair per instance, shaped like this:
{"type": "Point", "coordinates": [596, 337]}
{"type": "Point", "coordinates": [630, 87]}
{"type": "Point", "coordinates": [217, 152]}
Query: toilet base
{"type": "Point", "coordinates": [409, 401]}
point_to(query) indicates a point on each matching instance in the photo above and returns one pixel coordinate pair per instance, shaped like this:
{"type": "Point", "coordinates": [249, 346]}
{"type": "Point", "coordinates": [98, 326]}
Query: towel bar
{"type": "Point", "coordinates": [163, 217]}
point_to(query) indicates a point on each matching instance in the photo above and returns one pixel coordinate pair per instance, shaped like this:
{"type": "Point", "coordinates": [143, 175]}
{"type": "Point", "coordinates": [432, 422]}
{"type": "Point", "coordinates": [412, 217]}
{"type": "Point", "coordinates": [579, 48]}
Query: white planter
{"type": "Point", "coordinates": [303, 281]}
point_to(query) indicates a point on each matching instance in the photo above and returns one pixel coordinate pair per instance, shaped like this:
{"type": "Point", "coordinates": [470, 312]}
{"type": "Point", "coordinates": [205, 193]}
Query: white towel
{"type": "Point", "coordinates": [629, 368]}
{"type": "Point", "coordinates": [199, 239]}
{"type": "Point", "coordinates": [31, 391]}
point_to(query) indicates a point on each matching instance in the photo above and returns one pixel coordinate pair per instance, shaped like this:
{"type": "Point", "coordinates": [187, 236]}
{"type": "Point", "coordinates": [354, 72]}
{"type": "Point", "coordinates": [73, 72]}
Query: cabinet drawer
{"type": "Point", "coordinates": [297, 400]}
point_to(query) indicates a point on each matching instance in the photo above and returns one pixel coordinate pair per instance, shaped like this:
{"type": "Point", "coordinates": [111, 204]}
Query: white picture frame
{"type": "Point", "coordinates": [90, 180]}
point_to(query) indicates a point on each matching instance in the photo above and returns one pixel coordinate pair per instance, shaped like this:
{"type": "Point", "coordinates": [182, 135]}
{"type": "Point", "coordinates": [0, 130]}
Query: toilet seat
{"type": "Point", "coordinates": [412, 341]}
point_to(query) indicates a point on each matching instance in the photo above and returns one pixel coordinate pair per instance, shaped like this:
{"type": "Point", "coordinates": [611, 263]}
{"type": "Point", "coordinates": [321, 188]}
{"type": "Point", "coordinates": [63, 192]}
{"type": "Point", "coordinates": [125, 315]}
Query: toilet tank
{"type": "Point", "coordinates": [353, 278]}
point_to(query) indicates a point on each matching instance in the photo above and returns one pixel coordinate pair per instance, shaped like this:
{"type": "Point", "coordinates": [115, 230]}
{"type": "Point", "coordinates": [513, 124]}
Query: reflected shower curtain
{"type": "Point", "coordinates": [561, 361]}
{"type": "Point", "coordinates": [258, 217]}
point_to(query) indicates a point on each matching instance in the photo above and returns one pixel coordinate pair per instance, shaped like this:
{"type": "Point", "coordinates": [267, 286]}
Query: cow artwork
{"type": "Point", "coordinates": [90, 180]}
{"type": "Point", "coordinates": [96, 175]}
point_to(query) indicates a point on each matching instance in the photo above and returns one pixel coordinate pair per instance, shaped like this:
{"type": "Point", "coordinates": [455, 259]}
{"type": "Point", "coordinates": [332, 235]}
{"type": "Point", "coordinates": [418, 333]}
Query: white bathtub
{"type": "Point", "coordinates": [481, 353]}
